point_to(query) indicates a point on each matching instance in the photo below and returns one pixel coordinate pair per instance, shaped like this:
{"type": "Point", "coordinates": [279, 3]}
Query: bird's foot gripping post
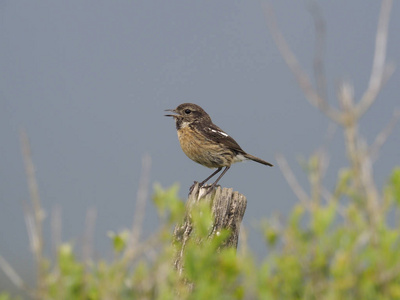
{"type": "Point", "coordinates": [202, 190]}
{"type": "Point", "coordinates": [227, 208]}
{"type": "Point", "coordinates": [192, 187]}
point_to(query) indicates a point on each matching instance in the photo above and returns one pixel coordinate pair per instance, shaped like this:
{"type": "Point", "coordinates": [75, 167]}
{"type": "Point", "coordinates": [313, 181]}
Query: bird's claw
{"type": "Point", "coordinates": [192, 187]}
{"type": "Point", "coordinates": [209, 190]}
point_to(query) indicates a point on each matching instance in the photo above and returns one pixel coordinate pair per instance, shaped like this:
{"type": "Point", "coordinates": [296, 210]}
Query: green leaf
{"type": "Point", "coordinates": [395, 184]}
{"type": "Point", "coordinates": [119, 240]}
{"type": "Point", "coordinates": [168, 203]}
{"type": "Point", "coordinates": [323, 218]}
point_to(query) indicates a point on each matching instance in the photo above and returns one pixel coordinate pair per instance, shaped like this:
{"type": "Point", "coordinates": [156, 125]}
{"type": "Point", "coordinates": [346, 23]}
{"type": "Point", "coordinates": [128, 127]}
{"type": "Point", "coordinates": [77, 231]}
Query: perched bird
{"type": "Point", "coordinates": [206, 143]}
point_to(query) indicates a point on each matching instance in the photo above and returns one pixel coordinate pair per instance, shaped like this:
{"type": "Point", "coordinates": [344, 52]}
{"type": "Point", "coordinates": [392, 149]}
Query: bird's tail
{"type": "Point", "coordinates": [259, 160]}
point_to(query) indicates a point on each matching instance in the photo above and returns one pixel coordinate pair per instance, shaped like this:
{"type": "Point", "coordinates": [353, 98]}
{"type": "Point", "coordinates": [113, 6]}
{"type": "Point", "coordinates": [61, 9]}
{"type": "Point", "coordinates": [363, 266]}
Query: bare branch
{"type": "Point", "coordinates": [140, 206]}
{"type": "Point", "coordinates": [292, 181]}
{"type": "Point", "coordinates": [33, 188]}
{"type": "Point", "coordinates": [383, 135]}
{"type": "Point", "coordinates": [30, 228]}
{"type": "Point", "coordinates": [144, 247]}
{"type": "Point", "coordinates": [388, 275]}
{"type": "Point", "coordinates": [324, 160]}
{"type": "Point", "coordinates": [34, 224]}
{"type": "Point", "coordinates": [323, 152]}
{"type": "Point", "coordinates": [380, 72]}
{"type": "Point", "coordinates": [87, 247]}
{"type": "Point", "coordinates": [11, 273]}
{"type": "Point", "coordinates": [320, 34]}
{"type": "Point", "coordinates": [301, 76]}
{"type": "Point", "coordinates": [56, 228]}
{"type": "Point", "coordinates": [345, 96]}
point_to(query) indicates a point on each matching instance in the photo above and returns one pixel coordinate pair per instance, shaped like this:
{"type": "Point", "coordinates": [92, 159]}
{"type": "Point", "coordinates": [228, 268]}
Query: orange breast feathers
{"type": "Point", "coordinates": [199, 149]}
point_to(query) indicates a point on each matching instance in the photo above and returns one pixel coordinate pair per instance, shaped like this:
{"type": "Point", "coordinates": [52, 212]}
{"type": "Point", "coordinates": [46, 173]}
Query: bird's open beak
{"type": "Point", "coordinates": [172, 110]}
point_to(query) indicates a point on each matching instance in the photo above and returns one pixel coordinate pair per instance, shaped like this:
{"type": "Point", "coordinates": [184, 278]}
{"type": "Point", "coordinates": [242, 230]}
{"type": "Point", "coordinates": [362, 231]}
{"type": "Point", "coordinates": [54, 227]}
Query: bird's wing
{"type": "Point", "coordinates": [214, 133]}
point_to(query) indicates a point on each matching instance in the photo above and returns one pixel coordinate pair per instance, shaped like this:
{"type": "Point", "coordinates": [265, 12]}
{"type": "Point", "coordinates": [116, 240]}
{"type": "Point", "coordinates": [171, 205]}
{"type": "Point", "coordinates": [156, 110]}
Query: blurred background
{"type": "Point", "coordinates": [89, 82]}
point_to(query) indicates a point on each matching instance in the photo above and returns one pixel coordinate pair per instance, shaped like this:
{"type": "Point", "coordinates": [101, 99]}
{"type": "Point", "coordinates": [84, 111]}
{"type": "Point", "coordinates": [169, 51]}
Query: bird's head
{"type": "Point", "coordinates": [188, 113]}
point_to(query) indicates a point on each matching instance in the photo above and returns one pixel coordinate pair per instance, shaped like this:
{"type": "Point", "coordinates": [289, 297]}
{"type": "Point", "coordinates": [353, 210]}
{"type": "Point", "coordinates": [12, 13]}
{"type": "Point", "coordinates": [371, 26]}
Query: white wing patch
{"type": "Point", "coordinates": [219, 132]}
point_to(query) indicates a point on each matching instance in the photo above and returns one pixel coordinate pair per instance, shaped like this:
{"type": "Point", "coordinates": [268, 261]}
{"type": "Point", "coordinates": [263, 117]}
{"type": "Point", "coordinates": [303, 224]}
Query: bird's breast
{"type": "Point", "coordinates": [202, 150]}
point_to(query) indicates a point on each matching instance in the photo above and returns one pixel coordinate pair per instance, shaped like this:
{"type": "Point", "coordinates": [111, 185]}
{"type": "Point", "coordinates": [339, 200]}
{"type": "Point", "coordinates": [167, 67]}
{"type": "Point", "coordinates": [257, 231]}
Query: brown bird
{"type": "Point", "coordinates": [206, 143]}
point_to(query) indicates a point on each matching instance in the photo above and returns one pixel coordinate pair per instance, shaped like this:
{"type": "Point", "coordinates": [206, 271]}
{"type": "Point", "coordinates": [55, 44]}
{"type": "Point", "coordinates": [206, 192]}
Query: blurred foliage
{"type": "Point", "coordinates": [5, 296]}
{"type": "Point", "coordinates": [334, 251]}
{"type": "Point", "coordinates": [328, 251]}
{"type": "Point", "coordinates": [340, 244]}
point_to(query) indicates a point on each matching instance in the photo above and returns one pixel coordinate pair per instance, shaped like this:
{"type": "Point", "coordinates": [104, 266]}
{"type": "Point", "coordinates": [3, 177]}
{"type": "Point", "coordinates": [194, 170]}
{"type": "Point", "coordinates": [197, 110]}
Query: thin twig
{"type": "Point", "coordinates": [324, 159]}
{"type": "Point", "coordinates": [383, 136]}
{"type": "Point", "coordinates": [144, 246]}
{"type": "Point", "coordinates": [33, 191]}
{"type": "Point", "coordinates": [56, 228]}
{"type": "Point", "coordinates": [30, 228]}
{"type": "Point", "coordinates": [320, 34]}
{"type": "Point", "coordinates": [140, 207]}
{"type": "Point", "coordinates": [301, 76]}
{"type": "Point", "coordinates": [317, 172]}
{"type": "Point", "coordinates": [35, 227]}
{"type": "Point", "coordinates": [380, 72]}
{"type": "Point", "coordinates": [292, 181]}
{"type": "Point", "coordinates": [388, 275]}
{"type": "Point", "coordinates": [88, 238]}
{"type": "Point", "coordinates": [11, 273]}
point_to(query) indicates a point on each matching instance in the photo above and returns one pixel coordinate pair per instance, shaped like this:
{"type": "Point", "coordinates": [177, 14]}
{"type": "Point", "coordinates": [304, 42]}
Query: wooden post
{"type": "Point", "coordinates": [228, 209]}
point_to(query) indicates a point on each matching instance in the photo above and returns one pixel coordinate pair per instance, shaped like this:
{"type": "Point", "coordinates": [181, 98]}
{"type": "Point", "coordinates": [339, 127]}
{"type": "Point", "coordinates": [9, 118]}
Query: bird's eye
{"type": "Point", "coordinates": [187, 111]}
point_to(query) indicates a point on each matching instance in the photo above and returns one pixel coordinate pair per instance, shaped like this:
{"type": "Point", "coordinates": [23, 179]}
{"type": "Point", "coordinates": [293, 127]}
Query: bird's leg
{"type": "Point", "coordinates": [216, 181]}
{"type": "Point", "coordinates": [204, 181]}
{"type": "Point", "coordinates": [208, 178]}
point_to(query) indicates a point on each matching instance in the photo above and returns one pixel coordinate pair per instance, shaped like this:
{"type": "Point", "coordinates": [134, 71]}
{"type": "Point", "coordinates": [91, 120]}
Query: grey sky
{"type": "Point", "coordinates": [89, 81]}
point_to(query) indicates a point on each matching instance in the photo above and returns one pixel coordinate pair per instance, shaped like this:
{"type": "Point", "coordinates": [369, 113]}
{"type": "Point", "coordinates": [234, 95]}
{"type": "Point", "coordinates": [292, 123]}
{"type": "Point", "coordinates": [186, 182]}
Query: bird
{"type": "Point", "coordinates": [207, 144]}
